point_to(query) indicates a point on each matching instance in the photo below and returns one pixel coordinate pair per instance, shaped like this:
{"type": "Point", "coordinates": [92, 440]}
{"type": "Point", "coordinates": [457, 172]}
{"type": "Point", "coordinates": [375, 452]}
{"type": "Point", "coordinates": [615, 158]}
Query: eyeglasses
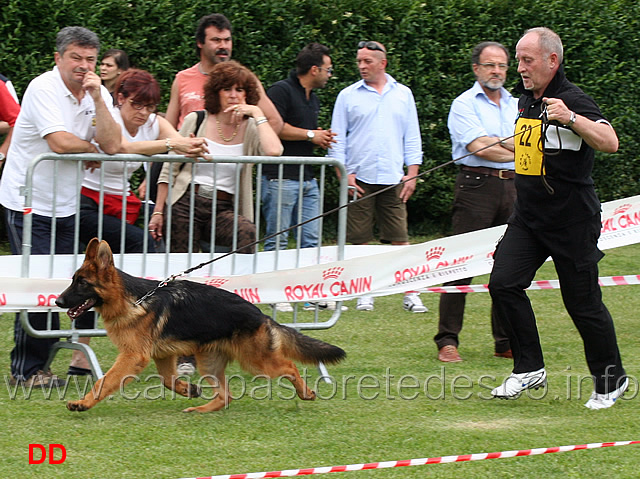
{"type": "Point", "coordinates": [490, 66]}
{"type": "Point", "coordinates": [151, 107]}
{"type": "Point", "coordinates": [328, 70]}
{"type": "Point", "coordinates": [371, 46]}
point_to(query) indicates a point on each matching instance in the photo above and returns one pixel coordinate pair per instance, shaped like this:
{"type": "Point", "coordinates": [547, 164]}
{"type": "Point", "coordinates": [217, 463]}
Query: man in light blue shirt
{"type": "Point", "coordinates": [485, 189]}
{"type": "Point", "coordinates": [377, 133]}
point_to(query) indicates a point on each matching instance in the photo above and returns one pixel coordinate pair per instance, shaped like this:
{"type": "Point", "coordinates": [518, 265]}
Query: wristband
{"type": "Point", "coordinates": [157, 213]}
{"type": "Point", "coordinates": [260, 120]}
{"type": "Point", "coordinates": [167, 143]}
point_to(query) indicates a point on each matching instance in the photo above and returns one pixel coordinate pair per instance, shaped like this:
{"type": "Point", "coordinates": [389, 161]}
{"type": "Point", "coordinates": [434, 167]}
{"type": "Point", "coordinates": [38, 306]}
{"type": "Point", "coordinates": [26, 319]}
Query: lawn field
{"type": "Point", "coordinates": [390, 400]}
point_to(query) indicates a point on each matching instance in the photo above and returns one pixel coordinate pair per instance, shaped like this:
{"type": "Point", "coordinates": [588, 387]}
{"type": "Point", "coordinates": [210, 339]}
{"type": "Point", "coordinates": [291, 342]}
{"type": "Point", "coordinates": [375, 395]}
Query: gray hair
{"type": "Point", "coordinates": [479, 48]}
{"type": "Point", "coordinates": [549, 41]}
{"type": "Point", "coordinates": [76, 36]}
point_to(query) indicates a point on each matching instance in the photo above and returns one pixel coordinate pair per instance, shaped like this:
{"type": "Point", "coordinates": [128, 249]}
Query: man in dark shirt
{"type": "Point", "coordinates": [299, 106]}
{"type": "Point", "coordinates": [557, 214]}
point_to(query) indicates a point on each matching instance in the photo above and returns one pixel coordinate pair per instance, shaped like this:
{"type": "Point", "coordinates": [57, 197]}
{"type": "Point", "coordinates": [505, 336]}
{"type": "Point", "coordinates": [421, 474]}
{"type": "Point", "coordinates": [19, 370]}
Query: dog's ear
{"type": "Point", "coordinates": [92, 249]}
{"type": "Point", "coordinates": [105, 256]}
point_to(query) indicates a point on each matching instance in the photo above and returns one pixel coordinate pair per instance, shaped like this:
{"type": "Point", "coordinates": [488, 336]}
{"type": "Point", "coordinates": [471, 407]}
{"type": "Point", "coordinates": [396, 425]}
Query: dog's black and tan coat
{"type": "Point", "coordinates": [180, 319]}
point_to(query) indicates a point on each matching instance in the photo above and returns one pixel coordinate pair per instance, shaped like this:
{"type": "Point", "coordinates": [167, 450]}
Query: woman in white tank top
{"type": "Point", "coordinates": [234, 125]}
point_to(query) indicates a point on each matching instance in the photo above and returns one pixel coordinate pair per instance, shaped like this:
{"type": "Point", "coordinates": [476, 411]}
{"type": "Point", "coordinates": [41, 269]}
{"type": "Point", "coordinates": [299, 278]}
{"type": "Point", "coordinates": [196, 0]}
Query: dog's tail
{"type": "Point", "coordinates": [297, 346]}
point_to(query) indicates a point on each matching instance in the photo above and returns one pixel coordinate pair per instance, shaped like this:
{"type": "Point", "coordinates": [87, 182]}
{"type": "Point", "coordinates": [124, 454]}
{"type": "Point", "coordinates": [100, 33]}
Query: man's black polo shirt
{"type": "Point", "coordinates": [290, 98]}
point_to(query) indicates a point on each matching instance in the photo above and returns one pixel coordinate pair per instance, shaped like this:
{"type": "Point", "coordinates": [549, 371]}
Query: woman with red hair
{"type": "Point", "coordinates": [137, 95]}
{"type": "Point", "coordinates": [234, 125]}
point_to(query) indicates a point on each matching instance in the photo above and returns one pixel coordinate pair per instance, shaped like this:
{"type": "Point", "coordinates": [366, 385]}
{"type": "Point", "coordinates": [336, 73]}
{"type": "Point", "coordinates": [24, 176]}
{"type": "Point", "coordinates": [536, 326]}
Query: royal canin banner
{"type": "Point", "coordinates": [306, 275]}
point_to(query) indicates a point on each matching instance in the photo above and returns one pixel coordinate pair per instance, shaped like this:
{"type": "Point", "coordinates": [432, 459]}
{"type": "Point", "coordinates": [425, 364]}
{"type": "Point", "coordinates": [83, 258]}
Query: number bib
{"type": "Point", "coordinates": [528, 151]}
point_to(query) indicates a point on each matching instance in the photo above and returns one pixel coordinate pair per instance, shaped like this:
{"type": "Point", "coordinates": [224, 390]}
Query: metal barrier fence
{"type": "Point", "coordinates": [163, 264]}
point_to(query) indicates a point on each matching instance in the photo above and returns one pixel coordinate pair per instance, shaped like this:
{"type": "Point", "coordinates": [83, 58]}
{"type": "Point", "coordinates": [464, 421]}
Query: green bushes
{"type": "Point", "coordinates": [429, 45]}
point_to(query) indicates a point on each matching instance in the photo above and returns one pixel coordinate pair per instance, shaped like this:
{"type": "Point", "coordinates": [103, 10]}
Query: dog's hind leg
{"type": "Point", "coordinates": [123, 371]}
{"type": "Point", "coordinates": [275, 365]}
{"type": "Point", "coordinates": [211, 366]}
{"type": "Point", "coordinates": [171, 380]}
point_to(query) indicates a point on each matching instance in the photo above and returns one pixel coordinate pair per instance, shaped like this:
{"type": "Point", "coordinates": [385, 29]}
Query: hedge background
{"type": "Point", "coordinates": [429, 44]}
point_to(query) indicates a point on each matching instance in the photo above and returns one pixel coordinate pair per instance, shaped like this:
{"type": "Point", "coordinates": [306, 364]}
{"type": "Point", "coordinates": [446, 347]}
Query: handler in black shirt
{"type": "Point", "coordinates": [557, 214]}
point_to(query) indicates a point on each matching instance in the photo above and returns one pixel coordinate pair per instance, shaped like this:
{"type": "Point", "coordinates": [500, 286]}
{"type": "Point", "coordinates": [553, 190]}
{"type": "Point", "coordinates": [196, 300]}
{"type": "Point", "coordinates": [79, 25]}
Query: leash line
{"type": "Point", "coordinates": [330, 212]}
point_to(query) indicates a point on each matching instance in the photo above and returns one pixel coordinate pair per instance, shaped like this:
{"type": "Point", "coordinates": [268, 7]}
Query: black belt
{"type": "Point", "coordinates": [207, 192]}
{"type": "Point", "coordinates": [502, 174]}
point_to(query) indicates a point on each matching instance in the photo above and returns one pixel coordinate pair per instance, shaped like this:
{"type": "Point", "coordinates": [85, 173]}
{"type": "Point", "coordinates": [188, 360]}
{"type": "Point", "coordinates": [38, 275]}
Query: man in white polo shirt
{"type": "Point", "coordinates": [63, 111]}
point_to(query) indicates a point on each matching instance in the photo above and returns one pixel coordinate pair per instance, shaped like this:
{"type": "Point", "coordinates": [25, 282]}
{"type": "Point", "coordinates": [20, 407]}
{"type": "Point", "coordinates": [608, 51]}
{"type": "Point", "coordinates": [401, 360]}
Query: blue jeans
{"type": "Point", "coordinates": [289, 211]}
{"type": "Point", "coordinates": [30, 354]}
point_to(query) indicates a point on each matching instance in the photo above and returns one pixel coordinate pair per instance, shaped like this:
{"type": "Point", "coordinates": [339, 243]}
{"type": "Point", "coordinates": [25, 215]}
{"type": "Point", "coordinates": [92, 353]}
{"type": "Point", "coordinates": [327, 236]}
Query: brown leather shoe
{"type": "Point", "coordinates": [449, 354]}
{"type": "Point", "coordinates": [507, 354]}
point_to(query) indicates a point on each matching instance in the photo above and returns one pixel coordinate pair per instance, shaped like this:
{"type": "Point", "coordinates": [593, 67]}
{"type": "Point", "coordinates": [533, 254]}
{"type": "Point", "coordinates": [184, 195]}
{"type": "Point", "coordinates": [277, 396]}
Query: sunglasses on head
{"type": "Point", "coordinates": [371, 46]}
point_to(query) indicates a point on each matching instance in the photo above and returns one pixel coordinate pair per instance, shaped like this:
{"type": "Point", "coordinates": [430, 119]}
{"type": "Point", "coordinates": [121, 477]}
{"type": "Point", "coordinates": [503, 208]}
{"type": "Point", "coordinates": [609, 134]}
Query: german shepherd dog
{"type": "Point", "coordinates": [184, 318]}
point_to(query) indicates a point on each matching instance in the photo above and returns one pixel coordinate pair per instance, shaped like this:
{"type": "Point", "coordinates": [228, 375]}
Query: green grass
{"type": "Point", "coordinates": [145, 438]}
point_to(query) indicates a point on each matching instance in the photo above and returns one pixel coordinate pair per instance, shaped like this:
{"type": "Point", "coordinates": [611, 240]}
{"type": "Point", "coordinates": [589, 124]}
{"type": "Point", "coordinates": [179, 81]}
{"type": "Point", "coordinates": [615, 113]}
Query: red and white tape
{"type": "Point", "coordinates": [548, 284]}
{"type": "Point", "coordinates": [420, 462]}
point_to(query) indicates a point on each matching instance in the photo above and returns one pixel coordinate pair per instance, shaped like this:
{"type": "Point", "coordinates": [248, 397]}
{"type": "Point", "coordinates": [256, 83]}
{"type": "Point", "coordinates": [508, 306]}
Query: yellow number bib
{"type": "Point", "coordinates": [528, 152]}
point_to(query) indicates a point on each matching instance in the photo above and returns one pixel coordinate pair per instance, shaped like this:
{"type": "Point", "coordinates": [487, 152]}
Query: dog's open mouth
{"type": "Point", "coordinates": [76, 311]}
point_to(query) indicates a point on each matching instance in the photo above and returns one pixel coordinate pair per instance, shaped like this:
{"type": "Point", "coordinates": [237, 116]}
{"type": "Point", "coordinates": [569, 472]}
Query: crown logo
{"type": "Point", "coordinates": [621, 209]}
{"type": "Point", "coordinates": [216, 281]}
{"type": "Point", "coordinates": [434, 253]}
{"type": "Point", "coordinates": [332, 273]}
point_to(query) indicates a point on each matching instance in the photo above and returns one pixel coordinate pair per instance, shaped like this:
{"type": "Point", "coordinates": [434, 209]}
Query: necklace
{"type": "Point", "coordinates": [235, 132]}
{"type": "Point", "coordinates": [199, 69]}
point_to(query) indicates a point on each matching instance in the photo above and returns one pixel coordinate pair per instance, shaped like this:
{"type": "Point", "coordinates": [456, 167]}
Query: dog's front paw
{"type": "Point", "coordinates": [309, 396]}
{"type": "Point", "coordinates": [78, 406]}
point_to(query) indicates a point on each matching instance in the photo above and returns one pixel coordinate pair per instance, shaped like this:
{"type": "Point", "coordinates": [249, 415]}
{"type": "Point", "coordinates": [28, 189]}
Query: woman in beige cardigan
{"type": "Point", "coordinates": [234, 126]}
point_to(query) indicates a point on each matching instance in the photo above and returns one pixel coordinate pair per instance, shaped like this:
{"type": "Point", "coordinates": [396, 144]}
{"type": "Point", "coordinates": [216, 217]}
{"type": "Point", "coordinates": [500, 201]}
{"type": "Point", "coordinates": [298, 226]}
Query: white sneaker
{"type": "Point", "coordinates": [603, 401]}
{"type": "Point", "coordinates": [284, 307]}
{"type": "Point", "coordinates": [186, 369]}
{"type": "Point", "coordinates": [516, 383]}
{"type": "Point", "coordinates": [332, 306]}
{"type": "Point", "coordinates": [365, 303]}
{"type": "Point", "coordinates": [413, 303]}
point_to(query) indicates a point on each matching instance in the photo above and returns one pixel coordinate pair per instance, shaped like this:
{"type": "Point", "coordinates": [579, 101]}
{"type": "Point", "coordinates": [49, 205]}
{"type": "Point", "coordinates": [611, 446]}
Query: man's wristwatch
{"type": "Point", "coordinates": [572, 119]}
{"type": "Point", "coordinates": [310, 135]}
{"type": "Point", "coordinates": [2, 156]}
